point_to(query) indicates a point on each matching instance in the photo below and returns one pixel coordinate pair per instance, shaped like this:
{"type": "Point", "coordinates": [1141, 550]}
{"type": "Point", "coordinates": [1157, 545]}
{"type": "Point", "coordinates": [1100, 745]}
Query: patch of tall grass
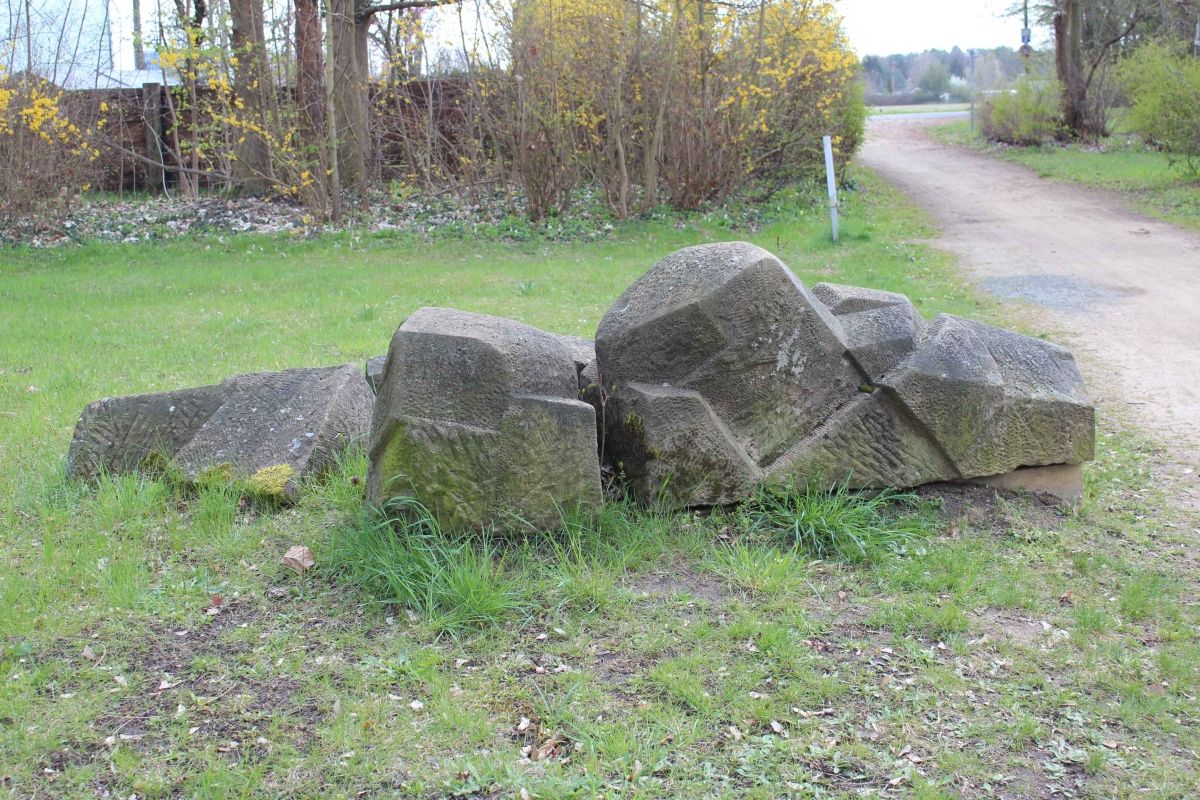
{"type": "Point", "coordinates": [839, 523]}
{"type": "Point", "coordinates": [401, 556]}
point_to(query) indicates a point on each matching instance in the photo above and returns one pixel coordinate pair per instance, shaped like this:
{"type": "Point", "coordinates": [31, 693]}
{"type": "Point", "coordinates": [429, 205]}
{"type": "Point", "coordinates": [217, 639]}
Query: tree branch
{"type": "Point", "coordinates": [362, 12]}
{"type": "Point", "coordinates": [167, 167]}
{"type": "Point", "coordinates": [1137, 16]}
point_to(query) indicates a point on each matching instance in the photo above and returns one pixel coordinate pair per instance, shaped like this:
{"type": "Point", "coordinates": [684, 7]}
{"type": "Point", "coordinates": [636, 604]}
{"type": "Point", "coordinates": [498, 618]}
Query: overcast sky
{"type": "Point", "coordinates": [875, 27]}
{"type": "Point", "coordinates": [883, 27]}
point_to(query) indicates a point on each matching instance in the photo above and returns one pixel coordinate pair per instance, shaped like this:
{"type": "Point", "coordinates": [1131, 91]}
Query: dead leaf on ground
{"type": "Point", "coordinates": [298, 559]}
{"type": "Point", "coordinates": [549, 749]}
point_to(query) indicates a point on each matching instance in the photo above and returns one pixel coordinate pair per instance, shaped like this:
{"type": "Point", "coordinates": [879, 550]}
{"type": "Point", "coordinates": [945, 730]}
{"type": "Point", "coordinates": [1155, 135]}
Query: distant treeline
{"type": "Point", "coordinates": [934, 74]}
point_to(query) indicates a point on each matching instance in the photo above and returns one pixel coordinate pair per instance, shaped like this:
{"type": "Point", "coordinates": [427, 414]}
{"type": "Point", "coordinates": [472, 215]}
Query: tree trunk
{"type": "Point", "coordinates": [656, 123]}
{"type": "Point", "coordinates": [347, 45]}
{"type": "Point", "coordinates": [310, 82]}
{"type": "Point", "coordinates": [252, 92]}
{"type": "Point", "coordinates": [1068, 60]}
{"type": "Point", "coordinates": [139, 52]}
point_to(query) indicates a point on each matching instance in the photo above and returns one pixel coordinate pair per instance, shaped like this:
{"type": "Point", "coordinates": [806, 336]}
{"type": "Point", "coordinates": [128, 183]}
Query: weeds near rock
{"type": "Point", "coordinates": [402, 557]}
{"type": "Point", "coordinates": [839, 524]}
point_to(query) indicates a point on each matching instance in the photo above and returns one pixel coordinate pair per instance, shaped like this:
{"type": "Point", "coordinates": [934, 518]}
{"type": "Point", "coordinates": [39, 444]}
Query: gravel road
{"type": "Point", "coordinates": [1121, 289]}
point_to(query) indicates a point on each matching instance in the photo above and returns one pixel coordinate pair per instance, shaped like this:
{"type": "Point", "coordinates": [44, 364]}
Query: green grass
{"type": "Point", "coordinates": [808, 645]}
{"type": "Point", "coordinates": [917, 108]}
{"type": "Point", "coordinates": [839, 524]}
{"type": "Point", "coordinates": [1121, 163]}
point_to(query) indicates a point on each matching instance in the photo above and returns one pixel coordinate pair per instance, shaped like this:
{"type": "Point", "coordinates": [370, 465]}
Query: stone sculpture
{"type": "Point", "coordinates": [479, 419]}
{"type": "Point", "coordinates": [292, 423]}
{"type": "Point", "coordinates": [720, 370]}
{"type": "Point", "coordinates": [715, 372]}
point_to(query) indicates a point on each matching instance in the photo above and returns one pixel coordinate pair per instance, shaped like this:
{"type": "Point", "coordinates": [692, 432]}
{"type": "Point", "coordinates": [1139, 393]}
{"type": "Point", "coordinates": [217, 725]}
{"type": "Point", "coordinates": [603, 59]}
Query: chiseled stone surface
{"type": "Point", "coordinates": [479, 419]}
{"type": "Point", "coordinates": [583, 351]}
{"type": "Point", "coordinates": [117, 434]}
{"type": "Point", "coordinates": [715, 364]}
{"type": "Point", "coordinates": [720, 370]}
{"type": "Point", "coordinates": [374, 372]}
{"type": "Point", "coordinates": [298, 418]}
{"type": "Point", "coordinates": [881, 328]}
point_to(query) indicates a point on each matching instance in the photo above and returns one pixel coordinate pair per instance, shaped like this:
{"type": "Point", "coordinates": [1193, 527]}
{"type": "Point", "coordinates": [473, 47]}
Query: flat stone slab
{"type": "Point", "coordinates": [119, 434]}
{"type": "Point", "coordinates": [1064, 481]}
{"type": "Point", "coordinates": [479, 419]}
{"type": "Point", "coordinates": [292, 423]}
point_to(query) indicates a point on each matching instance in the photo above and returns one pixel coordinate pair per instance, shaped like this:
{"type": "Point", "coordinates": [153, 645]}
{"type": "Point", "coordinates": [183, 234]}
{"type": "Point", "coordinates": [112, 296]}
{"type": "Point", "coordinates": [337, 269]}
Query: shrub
{"type": "Point", "coordinates": [1028, 115]}
{"type": "Point", "coordinates": [1163, 88]}
{"type": "Point", "coordinates": [695, 98]}
{"type": "Point", "coordinates": [47, 154]}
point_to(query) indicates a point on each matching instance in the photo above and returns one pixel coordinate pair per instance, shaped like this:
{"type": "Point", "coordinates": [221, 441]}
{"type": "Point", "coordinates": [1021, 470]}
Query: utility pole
{"type": "Point", "coordinates": [1026, 39]}
{"type": "Point", "coordinates": [972, 89]}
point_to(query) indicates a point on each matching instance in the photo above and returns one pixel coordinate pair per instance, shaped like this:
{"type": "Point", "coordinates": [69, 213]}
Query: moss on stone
{"type": "Point", "coordinates": [271, 481]}
{"type": "Point", "coordinates": [216, 474]}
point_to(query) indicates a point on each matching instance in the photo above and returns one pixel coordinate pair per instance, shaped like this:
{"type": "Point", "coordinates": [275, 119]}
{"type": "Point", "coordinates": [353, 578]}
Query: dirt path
{"type": "Point", "coordinates": [1121, 289]}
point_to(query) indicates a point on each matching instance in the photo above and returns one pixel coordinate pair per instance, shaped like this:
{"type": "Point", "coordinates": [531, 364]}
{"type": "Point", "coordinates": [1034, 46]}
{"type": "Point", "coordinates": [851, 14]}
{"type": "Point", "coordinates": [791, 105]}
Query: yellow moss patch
{"type": "Point", "coordinates": [271, 481]}
{"type": "Point", "coordinates": [217, 473]}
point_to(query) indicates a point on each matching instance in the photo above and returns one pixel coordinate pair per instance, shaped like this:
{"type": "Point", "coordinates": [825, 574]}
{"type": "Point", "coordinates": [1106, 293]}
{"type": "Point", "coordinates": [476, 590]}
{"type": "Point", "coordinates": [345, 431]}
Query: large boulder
{"type": "Point", "coordinates": [275, 427]}
{"type": "Point", "coordinates": [583, 353]}
{"type": "Point", "coordinates": [719, 370]}
{"type": "Point", "coordinates": [479, 419]}
{"type": "Point", "coordinates": [716, 363]}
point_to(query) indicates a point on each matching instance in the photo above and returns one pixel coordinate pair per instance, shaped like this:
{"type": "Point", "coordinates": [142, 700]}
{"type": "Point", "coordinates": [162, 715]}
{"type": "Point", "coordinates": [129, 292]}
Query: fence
{"type": "Point", "coordinates": [140, 124]}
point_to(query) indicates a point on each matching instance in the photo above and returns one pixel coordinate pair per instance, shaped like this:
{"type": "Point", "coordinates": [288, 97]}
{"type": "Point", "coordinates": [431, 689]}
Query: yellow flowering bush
{"type": "Point", "coordinates": [208, 124]}
{"type": "Point", "coordinates": [699, 96]}
{"type": "Point", "coordinates": [47, 153]}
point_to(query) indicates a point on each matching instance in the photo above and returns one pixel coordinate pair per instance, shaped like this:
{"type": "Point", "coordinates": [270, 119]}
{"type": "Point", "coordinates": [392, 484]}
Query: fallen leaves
{"type": "Point", "coordinates": [299, 559]}
{"type": "Point", "coordinates": [548, 749]}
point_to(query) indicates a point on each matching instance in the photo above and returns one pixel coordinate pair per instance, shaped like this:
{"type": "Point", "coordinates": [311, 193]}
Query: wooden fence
{"type": "Point", "coordinates": [140, 126]}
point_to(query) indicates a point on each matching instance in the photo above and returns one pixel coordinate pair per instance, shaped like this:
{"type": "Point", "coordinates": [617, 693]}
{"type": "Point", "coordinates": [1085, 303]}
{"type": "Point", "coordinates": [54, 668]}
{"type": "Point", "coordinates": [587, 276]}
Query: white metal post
{"type": "Point", "coordinates": [831, 182]}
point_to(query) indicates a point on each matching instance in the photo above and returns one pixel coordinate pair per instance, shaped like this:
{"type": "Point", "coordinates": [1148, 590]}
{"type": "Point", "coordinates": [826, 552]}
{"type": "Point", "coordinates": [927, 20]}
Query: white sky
{"type": "Point", "coordinates": [883, 27]}
{"type": "Point", "coordinates": [875, 27]}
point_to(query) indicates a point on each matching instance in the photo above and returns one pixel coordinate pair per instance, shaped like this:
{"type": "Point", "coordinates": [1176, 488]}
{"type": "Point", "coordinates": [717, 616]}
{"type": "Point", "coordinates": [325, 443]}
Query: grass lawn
{"type": "Point", "coordinates": [918, 108]}
{"type": "Point", "coordinates": [1003, 649]}
{"type": "Point", "coordinates": [1153, 185]}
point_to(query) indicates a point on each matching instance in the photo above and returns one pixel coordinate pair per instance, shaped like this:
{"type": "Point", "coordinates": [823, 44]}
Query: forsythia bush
{"type": "Point", "coordinates": [682, 101]}
{"type": "Point", "coordinates": [214, 123]}
{"type": "Point", "coordinates": [45, 155]}
{"type": "Point", "coordinates": [691, 97]}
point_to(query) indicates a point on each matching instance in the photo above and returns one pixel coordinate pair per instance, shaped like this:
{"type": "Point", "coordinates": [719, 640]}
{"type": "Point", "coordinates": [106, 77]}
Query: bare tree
{"type": "Point", "coordinates": [139, 52]}
{"type": "Point", "coordinates": [1097, 29]}
{"type": "Point", "coordinates": [310, 82]}
{"type": "Point", "coordinates": [350, 23]}
{"type": "Point", "coordinates": [254, 93]}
